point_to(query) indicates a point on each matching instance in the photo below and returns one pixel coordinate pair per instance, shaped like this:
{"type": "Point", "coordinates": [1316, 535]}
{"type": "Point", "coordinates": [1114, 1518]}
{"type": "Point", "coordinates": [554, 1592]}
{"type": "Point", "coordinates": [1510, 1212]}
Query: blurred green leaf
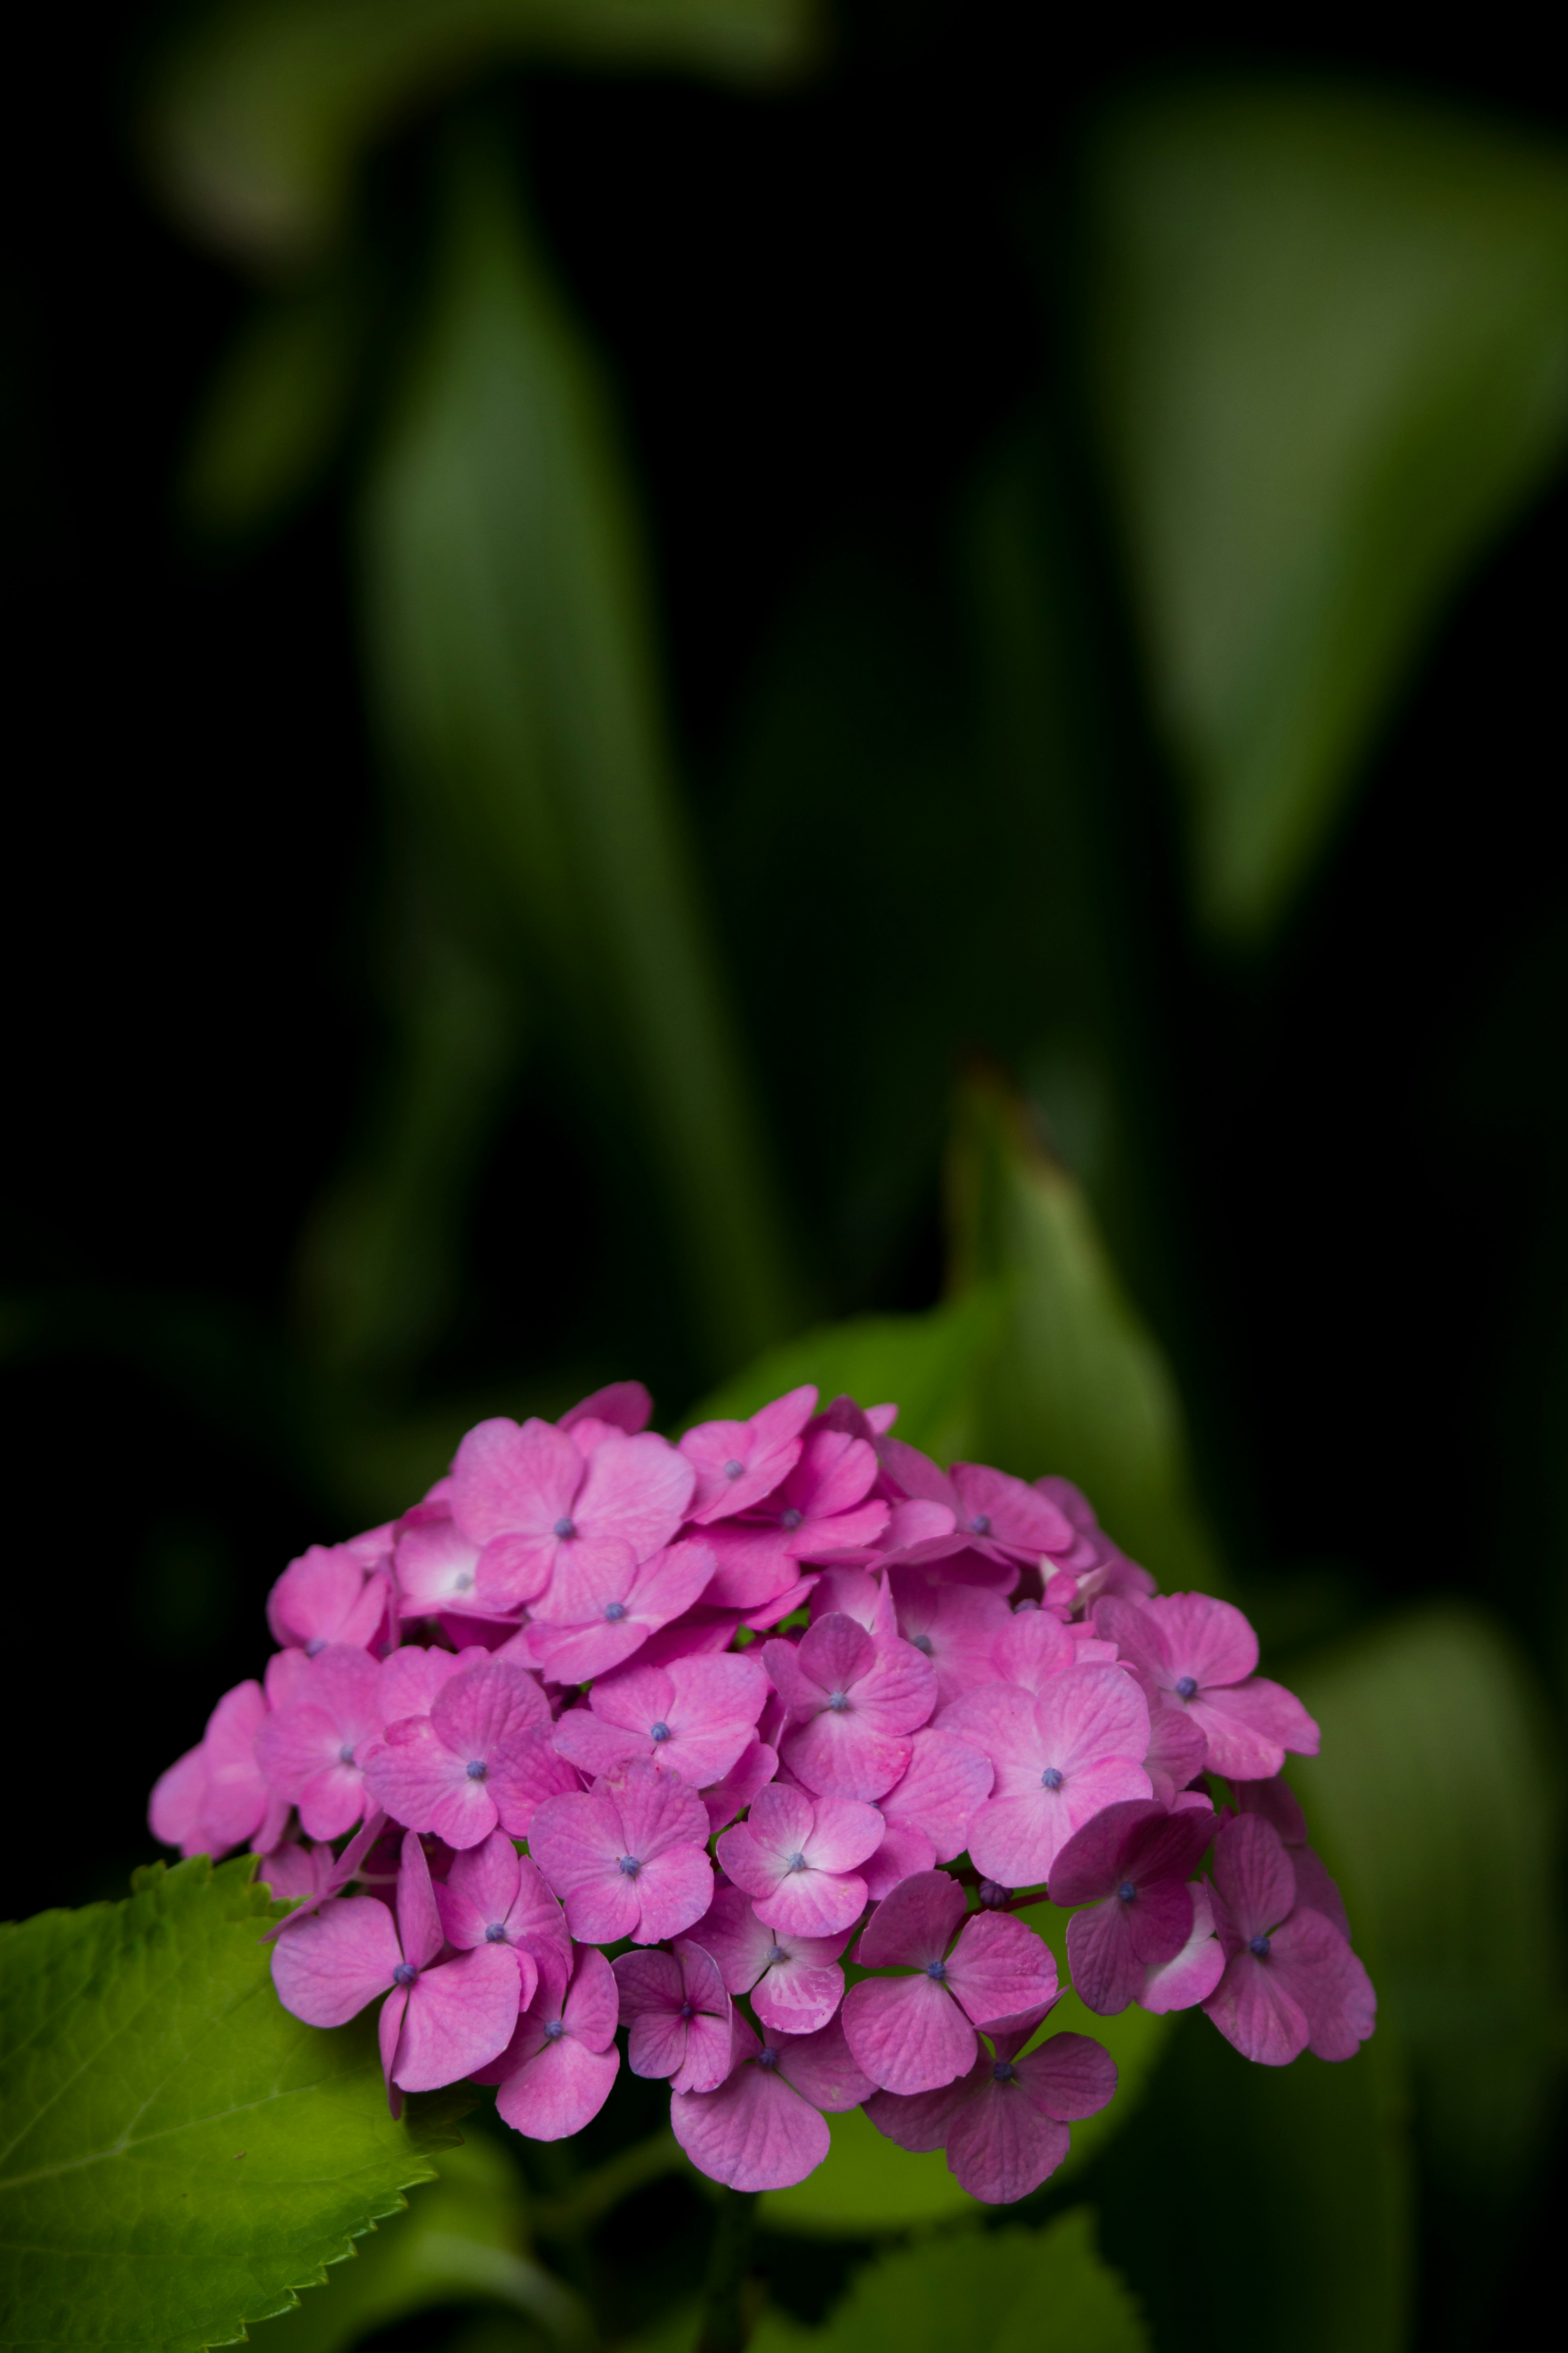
{"type": "Point", "coordinates": [1436, 1799]}
{"type": "Point", "coordinates": [180, 2154]}
{"type": "Point", "coordinates": [262, 109]}
{"type": "Point", "coordinates": [463, 2239]}
{"type": "Point", "coordinates": [1078, 1384]}
{"type": "Point", "coordinates": [1328, 348]}
{"type": "Point", "coordinates": [512, 664]}
{"type": "Point", "coordinates": [1008, 2291]}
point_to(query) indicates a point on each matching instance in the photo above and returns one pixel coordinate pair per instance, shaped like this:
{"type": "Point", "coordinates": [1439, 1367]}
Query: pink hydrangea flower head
{"type": "Point", "coordinates": [1192, 1975]}
{"type": "Point", "coordinates": [1130, 1865]}
{"type": "Point", "coordinates": [603, 1603]}
{"type": "Point", "coordinates": [795, 1982]}
{"type": "Point", "coordinates": [1292, 1983]}
{"type": "Point", "coordinates": [1059, 1759]}
{"type": "Point", "coordinates": [1004, 2124]}
{"type": "Point", "coordinates": [823, 1507]}
{"type": "Point", "coordinates": [698, 1717]}
{"type": "Point", "coordinates": [556, 2072]}
{"type": "Point", "coordinates": [929, 1811]}
{"type": "Point", "coordinates": [764, 2129]}
{"type": "Point", "coordinates": [529, 1496]}
{"type": "Point", "coordinates": [325, 1597]}
{"type": "Point", "coordinates": [313, 1751]}
{"type": "Point", "coordinates": [493, 1896]}
{"type": "Point", "coordinates": [739, 1463]}
{"type": "Point", "coordinates": [956, 1626]}
{"type": "Point", "coordinates": [752, 1770]}
{"type": "Point", "coordinates": [915, 2033]}
{"type": "Point", "coordinates": [477, 1760]}
{"type": "Point", "coordinates": [796, 1857]}
{"type": "Point", "coordinates": [439, 2019]}
{"type": "Point", "coordinates": [1199, 1655]}
{"type": "Point", "coordinates": [628, 1858]}
{"type": "Point", "coordinates": [435, 1565]}
{"type": "Point", "coordinates": [678, 2010]}
{"type": "Point", "coordinates": [852, 1702]}
{"type": "Point", "coordinates": [216, 1796]}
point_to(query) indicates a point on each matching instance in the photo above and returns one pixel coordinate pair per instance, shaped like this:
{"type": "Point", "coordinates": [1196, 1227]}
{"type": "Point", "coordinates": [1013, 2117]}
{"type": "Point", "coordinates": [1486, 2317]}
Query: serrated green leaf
{"type": "Point", "coordinates": [178, 2154]}
{"type": "Point", "coordinates": [263, 109]}
{"type": "Point", "coordinates": [1328, 342]}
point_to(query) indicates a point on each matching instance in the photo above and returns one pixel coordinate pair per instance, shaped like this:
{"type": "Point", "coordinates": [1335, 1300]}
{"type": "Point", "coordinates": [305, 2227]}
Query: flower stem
{"type": "Point", "coordinates": [725, 2324]}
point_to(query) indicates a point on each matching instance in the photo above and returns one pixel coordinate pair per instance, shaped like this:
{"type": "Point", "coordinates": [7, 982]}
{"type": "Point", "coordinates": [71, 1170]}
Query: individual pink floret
{"type": "Point", "coordinates": [313, 1750]}
{"type": "Point", "coordinates": [493, 1896]}
{"type": "Point", "coordinates": [471, 1763]}
{"type": "Point", "coordinates": [531, 1500]}
{"type": "Point", "coordinates": [739, 1462]}
{"type": "Point", "coordinates": [556, 2072]}
{"type": "Point", "coordinates": [752, 1770]}
{"type": "Point", "coordinates": [851, 1703]}
{"type": "Point", "coordinates": [1191, 1977]}
{"type": "Point", "coordinates": [1137, 1858]}
{"type": "Point", "coordinates": [915, 2033]}
{"type": "Point", "coordinates": [1199, 1655]}
{"type": "Point", "coordinates": [435, 1566]}
{"type": "Point", "coordinates": [824, 1506]}
{"type": "Point", "coordinates": [795, 1982]}
{"type": "Point", "coordinates": [698, 1716]}
{"type": "Point", "coordinates": [678, 2010]}
{"type": "Point", "coordinates": [928, 1813]}
{"type": "Point", "coordinates": [956, 1626]}
{"type": "Point", "coordinates": [1059, 1759]}
{"type": "Point", "coordinates": [629, 1857]}
{"type": "Point", "coordinates": [603, 1603]}
{"type": "Point", "coordinates": [216, 1796]}
{"type": "Point", "coordinates": [1004, 2124]}
{"type": "Point", "coordinates": [764, 2129]}
{"type": "Point", "coordinates": [440, 2018]}
{"type": "Point", "coordinates": [798, 1856]}
{"type": "Point", "coordinates": [325, 1597]}
{"type": "Point", "coordinates": [1292, 1983]}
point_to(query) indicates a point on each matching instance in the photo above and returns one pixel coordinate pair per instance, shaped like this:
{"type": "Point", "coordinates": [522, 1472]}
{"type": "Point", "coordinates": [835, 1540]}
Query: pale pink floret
{"type": "Point", "coordinates": [556, 2072]}
{"type": "Point", "coordinates": [493, 1896]}
{"type": "Point", "coordinates": [928, 1813]}
{"type": "Point", "coordinates": [603, 1603]}
{"type": "Point", "coordinates": [956, 1626]}
{"type": "Point", "coordinates": [739, 1462]}
{"type": "Point", "coordinates": [764, 2129]}
{"type": "Point", "coordinates": [851, 1703]}
{"type": "Point", "coordinates": [797, 1858]}
{"type": "Point", "coordinates": [1130, 1867]}
{"type": "Point", "coordinates": [435, 1565]}
{"type": "Point", "coordinates": [481, 1757]}
{"type": "Point", "coordinates": [698, 1716]}
{"type": "Point", "coordinates": [531, 1499]}
{"type": "Point", "coordinates": [215, 1797]}
{"type": "Point", "coordinates": [313, 1750]}
{"type": "Point", "coordinates": [326, 1596]}
{"type": "Point", "coordinates": [1292, 1983]}
{"type": "Point", "coordinates": [1033, 1649]}
{"type": "Point", "coordinates": [795, 1982]}
{"type": "Point", "coordinates": [915, 2033]}
{"type": "Point", "coordinates": [1198, 1654]}
{"type": "Point", "coordinates": [678, 2010]}
{"type": "Point", "coordinates": [1191, 1977]}
{"type": "Point", "coordinates": [824, 1506]}
{"type": "Point", "coordinates": [1004, 2124]}
{"type": "Point", "coordinates": [629, 1857]}
{"type": "Point", "coordinates": [752, 1770]}
{"type": "Point", "coordinates": [440, 2021]}
{"type": "Point", "coordinates": [1059, 1759]}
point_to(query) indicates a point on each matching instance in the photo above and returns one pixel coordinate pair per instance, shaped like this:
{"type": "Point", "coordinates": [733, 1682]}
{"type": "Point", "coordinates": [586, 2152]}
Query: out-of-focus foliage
{"type": "Point", "coordinates": [180, 2154]}
{"type": "Point", "coordinates": [262, 111]}
{"type": "Point", "coordinates": [1326, 340]}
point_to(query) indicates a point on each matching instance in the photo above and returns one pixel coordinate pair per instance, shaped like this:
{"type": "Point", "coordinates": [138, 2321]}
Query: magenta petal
{"type": "Point", "coordinates": [523, 1772]}
{"type": "Point", "coordinates": [1107, 1974]}
{"type": "Point", "coordinates": [834, 1653]}
{"type": "Point", "coordinates": [593, 1746]}
{"type": "Point", "coordinates": [750, 1773]}
{"type": "Point", "coordinates": [459, 2015]}
{"type": "Point", "coordinates": [592, 2005]}
{"type": "Point", "coordinates": [330, 1965]}
{"type": "Point", "coordinates": [418, 1921]}
{"type": "Point", "coordinates": [1196, 1972]}
{"type": "Point", "coordinates": [674, 1890]}
{"type": "Point", "coordinates": [903, 1854]}
{"type": "Point", "coordinates": [1251, 1721]}
{"type": "Point", "coordinates": [626, 1405]}
{"type": "Point", "coordinates": [907, 2033]}
{"type": "Point", "coordinates": [915, 1924]}
{"type": "Point", "coordinates": [421, 1783]}
{"type": "Point", "coordinates": [480, 1890]}
{"type": "Point", "coordinates": [177, 1803]}
{"type": "Point", "coordinates": [845, 1756]}
{"type": "Point", "coordinates": [814, 1902]}
{"type": "Point", "coordinates": [1092, 1861]}
{"type": "Point", "coordinates": [1000, 2146]}
{"type": "Point", "coordinates": [1069, 2077]}
{"type": "Point", "coordinates": [946, 1779]}
{"type": "Point", "coordinates": [1000, 1969]}
{"type": "Point", "coordinates": [801, 1992]}
{"type": "Point", "coordinates": [1210, 1640]}
{"type": "Point", "coordinates": [752, 2133]}
{"type": "Point", "coordinates": [1253, 1875]}
{"type": "Point", "coordinates": [919, 2121]}
{"type": "Point", "coordinates": [658, 1809]}
{"type": "Point", "coordinates": [558, 2091]}
{"type": "Point", "coordinates": [1327, 1982]}
{"type": "Point", "coordinates": [1253, 2009]}
{"type": "Point", "coordinates": [1159, 1920]}
{"type": "Point", "coordinates": [822, 2068]}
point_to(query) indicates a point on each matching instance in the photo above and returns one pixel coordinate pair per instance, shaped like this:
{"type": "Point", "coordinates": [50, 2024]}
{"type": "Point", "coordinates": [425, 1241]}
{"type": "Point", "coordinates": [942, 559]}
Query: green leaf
{"type": "Point", "coordinates": [1438, 1802]}
{"type": "Point", "coordinates": [1327, 344]}
{"type": "Point", "coordinates": [263, 109]}
{"type": "Point", "coordinates": [1078, 1384]}
{"type": "Point", "coordinates": [1010, 2291]}
{"type": "Point", "coordinates": [512, 664]}
{"type": "Point", "coordinates": [179, 2155]}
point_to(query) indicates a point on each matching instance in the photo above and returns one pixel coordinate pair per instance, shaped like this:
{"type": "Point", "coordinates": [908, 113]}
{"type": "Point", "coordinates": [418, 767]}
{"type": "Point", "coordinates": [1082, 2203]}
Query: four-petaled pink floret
{"type": "Point", "coordinates": [556, 2072]}
{"type": "Point", "coordinates": [628, 1858]}
{"type": "Point", "coordinates": [1004, 2124]}
{"type": "Point", "coordinates": [739, 1463]}
{"type": "Point", "coordinates": [698, 1717]}
{"type": "Point", "coordinates": [474, 1762]}
{"type": "Point", "coordinates": [1059, 1756]}
{"type": "Point", "coordinates": [678, 2011]}
{"type": "Point", "coordinates": [1130, 1867]}
{"type": "Point", "coordinates": [313, 1750]}
{"type": "Point", "coordinates": [850, 1701]}
{"type": "Point", "coordinates": [327, 1595]}
{"type": "Point", "coordinates": [795, 1982]}
{"type": "Point", "coordinates": [1199, 1655]}
{"type": "Point", "coordinates": [1292, 1983]}
{"type": "Point", "coordinates": [914, 2033]}
{"type": "Point", "coordinates": [533, 1501]}
{"type": "Point", "coordinates": [797, 1858]}
{"type": "Point", "coordinates": [823, 1508]}
{"type": "Point", "coordinates": [765, 2127]}
{"type": "Point", "coordinates": [493, 1896]}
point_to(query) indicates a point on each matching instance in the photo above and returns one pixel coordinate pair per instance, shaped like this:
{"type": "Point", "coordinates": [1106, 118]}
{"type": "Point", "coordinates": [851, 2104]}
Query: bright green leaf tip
{"type": "Point", "coordinates": [178, 2154]}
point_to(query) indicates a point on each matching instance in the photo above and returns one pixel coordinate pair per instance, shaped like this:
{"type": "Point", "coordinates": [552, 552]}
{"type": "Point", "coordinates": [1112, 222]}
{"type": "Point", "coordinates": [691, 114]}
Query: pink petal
{"type": "Point", "coordinates": [1254, 2009]}
{"type": "Point", "coordinates": [1250, 1726]}
{"type": "Point", "coordinates": [1033, 1649]}
{"type": "Point", "coordinates": [637, 1490]}
{"type": "Point", "coordinates": [814, 1902]}
{"type": "Point", "coordinates": [752, 1563]}
{"type": "Point", "coordinates": [843, 1833]}
{"type": "Point", "coordinates": [915, 1924]}
{"type": "Point", "coordinates": [1069, 2077]}
{"type": "Point", "coordinates": [750, 1773]}
{"type": "Point", "coordinates": [920, 2121]}
{"type": "Point", "coordinates": [822, 2068]}
{"type": "Point", "coordinates": [593, 1576]}
{"type": "Point", "coordinates": [835, 1471]}
{"type": "Point", "coordinates": [657, 1808]}
{"type": "Point", "coordinates": [734, 1938]}
{"type": "Point", "coordinates": [558, 2091]}
{"type": "Point", "coordinates": [475, 1711]}
{"type": "Point", "coordinates": [1177, 1750]}
{"type": "Point", "coordinates": [481, 1888]}
{"type": "Point", "coordinates": [907, 2033]}
{"type": "Point", "coordinates": [410, 1678]}
{"type": "Point", "coordinates": [1090, 1714]}
{"type": "Point", "coordinates": [625, 1405]}
{"type": "Point", "coordinates": [233, 1799]}
{"type": "Point", "coordinates": [434, 1564]}
{"type": "Point", "coordinates": [577, 1843]}
{"type": "Point", "coordinates": [801, 1992]}
{"type": "Point", "coordinates": [739, 1462]}
{"type": "Point", "coordinates": [903, 1854]}
{"type": "Point", "coordinates": [834, 1654]}
{"type": "Point", "coordinates": [418, 1921]}
{"type": "Point", "coordinates": [1107, 1974]}
{"type": "Point", "coordinates": [992, 1505]}
{"type": "Point", "coordinates": [419, 1780]}
{"type": "Point", "coordinates": [1001, 2146]}
{"type": "Point", "coordinates": [592, 2006]}
{"type": "Point", "coordinates": [999, 1720]}
{"type": "Point", "coordinates": [1094, 1858]}
{"type": "Point", "coordinates": [514, 1571]}
{"type": "Point", "coordinates": [845, 1756]}
{"type": "Point", "coordinates": [328, 1965]}
{"type": "Point", "coordinates": [752, 2133]}
{"type": "Point", "coordinates": [523, 1772]}
{"type": "Point", "coordinates": [1327, 1982]}
{"type": "Point", "coordinates": [945, 1780]}
{"type": "Point", "coordinates": [176, 1802]}
{"type": "Point", "coordinates": [1210, 1640]}
{"type": "Point", "coordinates": [1253, 1875]}
{"type": "Point", "coordinates": [459, 2015]}
{"type": "Point", "coordinates": [999, 1968]}
{"type": "Point", "coordinates": [595, 1746]}
{"type": "Point", "coordinates": [673, 1890]}
{"type": "Point", "coordinates": [1196, 1972]}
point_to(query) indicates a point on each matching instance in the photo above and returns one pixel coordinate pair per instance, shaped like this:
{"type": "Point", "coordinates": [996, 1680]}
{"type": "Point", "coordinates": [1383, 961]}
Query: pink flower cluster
{"type": "Point", "coordinates": [766, 1746]}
